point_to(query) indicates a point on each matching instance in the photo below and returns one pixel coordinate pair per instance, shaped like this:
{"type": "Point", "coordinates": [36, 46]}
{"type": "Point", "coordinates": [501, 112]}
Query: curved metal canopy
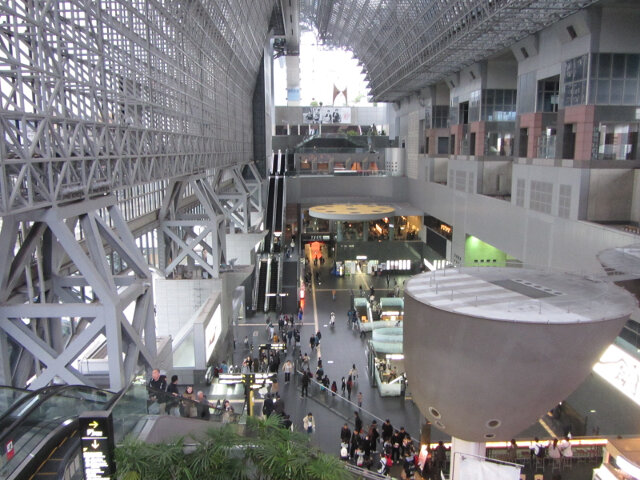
{"type": "Point", "coordinates": [406, 45]}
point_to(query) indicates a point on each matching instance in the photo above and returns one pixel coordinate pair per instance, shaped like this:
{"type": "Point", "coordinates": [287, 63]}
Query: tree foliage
{"type": "Point", "coordinates": [266, 452]}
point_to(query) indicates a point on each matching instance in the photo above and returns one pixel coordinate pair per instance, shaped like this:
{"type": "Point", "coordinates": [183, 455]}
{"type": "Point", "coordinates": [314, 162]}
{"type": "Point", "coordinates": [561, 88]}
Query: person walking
{"type": "Point", "coordinates": [439, 458]}
{"type": "Point", "coordinates": [286, 368]}
{"type": "Point", "coordinates": [358, 421]}
{"type": "Point", "coordinates": [305, 383]}
{"type": "Point", "coordinates": [359, 397]}
{"type": "Point", "coordinates": [344, 385]}
{"type": "Point", "coordinates": [334, 388]}
{"type": "Point", "coordinates": [349, 387]}
{"type": "Point", "coordinates": [309, 423]}
{"type": "Point", "coordinates": [353, 373]}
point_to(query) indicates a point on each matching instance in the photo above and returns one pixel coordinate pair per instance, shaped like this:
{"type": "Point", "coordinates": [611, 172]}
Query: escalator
{"type": "Point", "coordinates": [282, 164]}
{"type": "Point", "coordinates": [269, 220]}
{"type": "Point", "coordinates": [10, 400]}
{"type": "Point", "coordinates": [279, 207]}
{"type": "Point", "coordinates": [262, 284]}
{"type": "Point", "coordinates": [268, 274]}
{"type": "Point", "coordinates": [39, 422]}
{"type": "Point", "coordinates": [44, 437]}
{"type": "Point", "coordinates": [273, 286]}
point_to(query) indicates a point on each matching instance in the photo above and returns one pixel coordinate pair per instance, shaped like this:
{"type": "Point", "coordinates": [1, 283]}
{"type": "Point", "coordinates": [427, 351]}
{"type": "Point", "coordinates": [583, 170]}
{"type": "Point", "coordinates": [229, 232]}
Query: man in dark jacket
{"type": "Point", "coordinates": [157, 384]}
{"type": "Point", "coordinates": [267, 406]}
{"type": "Point", "coordinates": [387, 430]}
{"type": "Point", "coordinates": [345, 434]}
{"type": "Point", "coordinates": [355, 440]}
{"type": "Point", "coordinates": [278, 405]}
{"type": "Point", "coordinates": [373, 435]}
{"type": "Point", "coordinates": [358, 421]}
{"type": "Point", "coordinates": [305, 384]}
{"type": "Point", "coordinates": [396, 441]}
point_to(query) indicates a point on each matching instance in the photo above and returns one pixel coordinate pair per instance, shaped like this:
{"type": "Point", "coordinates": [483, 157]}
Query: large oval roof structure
{"type": "Point", "coordinates": [489, 350]}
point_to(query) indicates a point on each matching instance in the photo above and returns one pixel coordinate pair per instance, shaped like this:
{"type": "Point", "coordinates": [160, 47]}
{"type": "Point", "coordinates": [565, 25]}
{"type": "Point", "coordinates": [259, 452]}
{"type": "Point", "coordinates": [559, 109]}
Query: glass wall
{"type": "Point", "coordinates": [548, 94]}
{"type": "Point", "coordinates": [614, 79]}
{"type": "Point", "coordinates": [499, 105]}
{"type": "Point", "coordinates": [574, 75]}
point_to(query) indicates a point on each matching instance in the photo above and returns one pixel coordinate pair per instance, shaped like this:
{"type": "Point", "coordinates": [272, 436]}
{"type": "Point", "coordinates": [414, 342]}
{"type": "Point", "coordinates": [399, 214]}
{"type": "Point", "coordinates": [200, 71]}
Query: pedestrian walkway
{"type": "Point", "coordinates": [340, 348]}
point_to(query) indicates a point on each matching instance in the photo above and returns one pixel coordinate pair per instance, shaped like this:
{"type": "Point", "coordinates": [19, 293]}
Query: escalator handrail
{"type": "Point", "coordinates": [32, 462]}
{"type": "Point", "coordinates": [49, 392]}
{"type": "Point", "coordinates": [20, 401]}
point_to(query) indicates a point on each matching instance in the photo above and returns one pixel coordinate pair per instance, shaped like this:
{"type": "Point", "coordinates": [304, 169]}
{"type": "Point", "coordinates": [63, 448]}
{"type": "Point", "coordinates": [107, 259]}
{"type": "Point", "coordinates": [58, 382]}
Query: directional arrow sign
{"type": "Point", "coordinates": [97, 445]}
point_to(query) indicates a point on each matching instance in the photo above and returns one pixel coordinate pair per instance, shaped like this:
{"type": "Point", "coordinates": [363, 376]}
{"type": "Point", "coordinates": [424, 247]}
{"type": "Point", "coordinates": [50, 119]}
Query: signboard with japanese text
{"type": "Point", "coordinates": [96, 430]}
{"type": "Point", "coordinates": [326, 115]}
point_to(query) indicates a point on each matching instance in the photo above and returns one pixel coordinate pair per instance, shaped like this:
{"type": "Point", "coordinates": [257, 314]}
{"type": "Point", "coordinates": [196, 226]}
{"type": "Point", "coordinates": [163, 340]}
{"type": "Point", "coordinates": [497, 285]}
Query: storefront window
{"type": "Point", "coordinates": [352, 230]}
{"type": "Point", "coordinates": [407, 227]}
{"type": "Point", "coordinates": [314, 225]}
{"type": "Point", "coordinates": [618, 142]}
{"type": "Point", "coordinates": [378, 229]}
{"type": "Point", "coordinates": [499, 143]}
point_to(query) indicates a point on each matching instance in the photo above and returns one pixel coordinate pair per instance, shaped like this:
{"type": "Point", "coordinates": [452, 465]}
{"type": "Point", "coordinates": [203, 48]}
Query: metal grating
{"type": "Point", "coordinates": [406, 45]}
{"type": "Point", "coordinates": [101, 95]}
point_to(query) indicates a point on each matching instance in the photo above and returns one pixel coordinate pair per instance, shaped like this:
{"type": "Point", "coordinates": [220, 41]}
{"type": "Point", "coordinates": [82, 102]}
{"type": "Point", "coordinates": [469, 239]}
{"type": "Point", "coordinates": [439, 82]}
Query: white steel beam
{"type": "Point", "coordinates": [35, 325]}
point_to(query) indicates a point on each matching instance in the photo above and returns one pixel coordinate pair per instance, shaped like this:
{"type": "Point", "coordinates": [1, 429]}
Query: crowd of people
{"type": "Point", "coordinates": [166, 399]}
{"type": "Point", "coordinates": [369, 448]}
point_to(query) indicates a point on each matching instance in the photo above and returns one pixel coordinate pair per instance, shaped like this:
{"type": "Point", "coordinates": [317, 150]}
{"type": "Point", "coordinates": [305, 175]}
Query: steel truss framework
{"type": "Point", "coordinates": [406, 45]}
{"type": "Point", "coordinates": [57, 295]}
{"type": "Point", "coordinates": [101, 95]}
{"type": "Point", "coordinates": [222, 208]}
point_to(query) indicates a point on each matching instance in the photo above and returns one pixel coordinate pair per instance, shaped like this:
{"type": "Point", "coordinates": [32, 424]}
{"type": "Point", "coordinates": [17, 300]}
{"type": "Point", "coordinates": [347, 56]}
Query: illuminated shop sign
{"type": "Point", "coordinates": [313, 237]}
{"type": "Point", "coordinates": [621, 370]}
{"type": "Point", "coordinates": [445, 228]}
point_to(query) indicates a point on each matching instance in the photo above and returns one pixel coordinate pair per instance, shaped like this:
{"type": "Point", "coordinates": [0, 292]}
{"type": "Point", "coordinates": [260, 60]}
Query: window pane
{"type": "Point", "coordinates": [618, 65]}
{"type": "Point", "coordinates": [604, 66]}
{"type": "Point", "coordinates": [603, 92]}
{"type": "Point", "coordinates": [630, 88]}
{"type": "Point", "coordinates": [632, 66]}
{"type": "Point", "coordinates": [616, 91]}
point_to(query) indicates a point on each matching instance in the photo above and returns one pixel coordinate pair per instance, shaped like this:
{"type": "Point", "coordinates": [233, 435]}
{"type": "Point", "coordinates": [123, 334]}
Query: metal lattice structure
{"type": "Point", "coordinates": [72, 299]}
{"type": "Point", "coordinates": [406, 45]}
{"type": "Point", "coordinates": [101, 95]}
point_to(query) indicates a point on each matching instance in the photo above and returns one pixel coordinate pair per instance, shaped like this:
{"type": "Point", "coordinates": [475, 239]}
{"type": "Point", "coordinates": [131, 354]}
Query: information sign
{"type": "Point", "coordinates": [9, 450]}
{"type": "Point", "coordinates": [97, 445]}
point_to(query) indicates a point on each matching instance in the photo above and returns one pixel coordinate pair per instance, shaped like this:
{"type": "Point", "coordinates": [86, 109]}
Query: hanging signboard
{"type": "Point", "coordinates": [96, 429]}
{"type": "Point", "coordinates": [326, 115]}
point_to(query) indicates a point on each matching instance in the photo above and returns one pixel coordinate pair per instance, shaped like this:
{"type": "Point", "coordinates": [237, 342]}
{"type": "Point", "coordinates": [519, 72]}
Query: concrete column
{"type": "Point", "coordinates": [365, 230]}
{"type": "Point", "coordinates": [459, 447]}
{"type": "Point", "coordinates": [293, 80]}
{"type": "Point", "coordinates": [339, 232]}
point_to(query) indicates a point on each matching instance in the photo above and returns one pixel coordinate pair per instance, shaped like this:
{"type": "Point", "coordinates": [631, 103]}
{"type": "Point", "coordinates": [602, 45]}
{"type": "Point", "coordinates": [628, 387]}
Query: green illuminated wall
{"type": "Point", "coordinates": [479, 253]}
